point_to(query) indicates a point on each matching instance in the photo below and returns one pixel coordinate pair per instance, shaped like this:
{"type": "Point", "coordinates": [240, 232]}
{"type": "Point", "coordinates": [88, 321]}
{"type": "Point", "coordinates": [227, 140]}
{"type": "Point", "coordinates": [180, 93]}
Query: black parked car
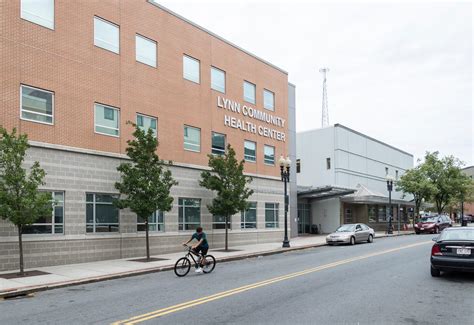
{"type": "Point", "coordinates": [453, 251]}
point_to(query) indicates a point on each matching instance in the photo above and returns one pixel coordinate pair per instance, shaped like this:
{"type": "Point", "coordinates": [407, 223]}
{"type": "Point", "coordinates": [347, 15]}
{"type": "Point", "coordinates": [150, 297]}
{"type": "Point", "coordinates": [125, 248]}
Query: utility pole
{"type": "Point", "coordinates": [325, 110]}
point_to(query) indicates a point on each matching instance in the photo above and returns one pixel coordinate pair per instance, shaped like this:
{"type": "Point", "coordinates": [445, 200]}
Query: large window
{"type": "Point", "coordinates": [145, 50]}
{"type": "Point", "coordinates": [146, 123]}
{"type": "Point", "coordinates": [248, 218]}
{"type": "Point", "coordinates": [382, 213]}
{"type": "Point", "coordinates": [155, 222]}
{"type": "Point", "coordinates": [249, 92]}
{"type": "Point", "coordinates": [218, 79]}
{"type": "Point", "coordinates": [101, 214]}
{"type": "Point", "coordinates": [268, 100]}
{"type": "Point", "coordinates": [250, 151]}
{"type": "Point", "coordinates": [40, 12]}
{"type": "Point", "coordinates": [218, 143]}
{"type": "Point", "coordinates": [106, 35]}
{"type": "Point", "coordinates": [269, 153]}
{"type": "Point", "coordinates": [53, 223]}
{"type": "Point", "coordinates": [372, 213]}
{"type": "Point", "coordinates": [107, 120]}
{"type": "Point", "coordinates": [218, 222]}
{"type": "Point", "coordinates": [191, 69]}
{"type": "Point", "coordinates": [271, 215]}
{"type": "Point", "coordinates": [189, 213]}
{"type": "Point", "coordinates": [192, 138]}
{"type": "Point", "coordinates": [37, 105]}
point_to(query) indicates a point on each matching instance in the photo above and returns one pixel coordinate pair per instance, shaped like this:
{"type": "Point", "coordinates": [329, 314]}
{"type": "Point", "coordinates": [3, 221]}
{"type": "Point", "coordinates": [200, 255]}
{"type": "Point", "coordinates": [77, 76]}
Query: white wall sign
{"type": "Point", "coordinates": [253, 113]}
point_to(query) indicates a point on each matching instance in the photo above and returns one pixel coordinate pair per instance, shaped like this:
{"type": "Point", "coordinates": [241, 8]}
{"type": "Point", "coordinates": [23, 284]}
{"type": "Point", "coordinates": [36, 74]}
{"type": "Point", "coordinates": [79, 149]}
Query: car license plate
{"type": "Point", "coordinates": [463, 251]}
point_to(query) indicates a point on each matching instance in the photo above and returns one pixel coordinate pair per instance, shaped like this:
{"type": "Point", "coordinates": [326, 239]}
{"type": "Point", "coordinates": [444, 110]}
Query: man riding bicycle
{"type": "Point", "coordinates": [201, 247]}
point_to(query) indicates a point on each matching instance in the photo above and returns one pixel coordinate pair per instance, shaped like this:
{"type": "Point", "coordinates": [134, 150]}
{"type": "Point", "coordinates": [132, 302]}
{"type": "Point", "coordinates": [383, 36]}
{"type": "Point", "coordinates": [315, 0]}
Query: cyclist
{"type": "Point", "coordinates": [201, 246]}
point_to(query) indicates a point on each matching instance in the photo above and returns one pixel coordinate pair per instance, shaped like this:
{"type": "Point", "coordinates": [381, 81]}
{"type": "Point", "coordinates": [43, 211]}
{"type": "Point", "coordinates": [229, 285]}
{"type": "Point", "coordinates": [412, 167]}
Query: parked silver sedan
{"type": "Point", "coordinates": [351, 234]}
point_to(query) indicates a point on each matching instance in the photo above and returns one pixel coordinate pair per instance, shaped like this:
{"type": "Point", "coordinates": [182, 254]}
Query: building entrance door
{"type": "Point", "coordinates": [304, 218]}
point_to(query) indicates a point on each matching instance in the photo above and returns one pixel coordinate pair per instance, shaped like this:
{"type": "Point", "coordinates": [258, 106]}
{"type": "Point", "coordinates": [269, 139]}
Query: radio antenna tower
{"type": "Point", "coordinates": [325, 110]}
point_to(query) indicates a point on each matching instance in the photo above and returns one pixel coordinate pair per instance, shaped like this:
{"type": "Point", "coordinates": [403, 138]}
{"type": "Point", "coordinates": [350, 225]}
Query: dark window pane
{"type": "Point", "coordinates": [37, 229]}
{"type": "Point", "coordinates": [106, 214]}
{"type": "Point", "coordinates": [58, 229]}
{"type": "Point", "coordinates": [89, 213]}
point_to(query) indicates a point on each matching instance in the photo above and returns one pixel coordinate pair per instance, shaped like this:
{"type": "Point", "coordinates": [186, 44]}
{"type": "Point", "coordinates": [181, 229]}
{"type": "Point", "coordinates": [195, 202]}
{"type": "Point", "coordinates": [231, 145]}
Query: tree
{"type": "Point", "coordinates": [145, 183]}
{"type": "Point", "coordinates": [447, 178]}
{"type": "Point", "coordinates": [227, 179]}
{"type": "Point", "coordinates": [416, 182]}
{"type": "Point", "coordinates": [20, 201]}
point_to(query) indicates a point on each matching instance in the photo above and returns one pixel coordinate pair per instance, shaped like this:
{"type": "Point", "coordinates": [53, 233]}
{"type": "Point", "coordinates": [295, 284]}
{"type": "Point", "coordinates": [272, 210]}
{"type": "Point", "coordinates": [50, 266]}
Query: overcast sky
{"type": "Point", "coordinates": [399, 72]}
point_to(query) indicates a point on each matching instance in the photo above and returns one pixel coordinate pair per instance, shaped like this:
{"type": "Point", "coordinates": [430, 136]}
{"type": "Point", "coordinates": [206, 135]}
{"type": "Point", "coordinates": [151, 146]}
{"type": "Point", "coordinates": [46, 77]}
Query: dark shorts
{"type": "Point", "coordinates": [201, 249]}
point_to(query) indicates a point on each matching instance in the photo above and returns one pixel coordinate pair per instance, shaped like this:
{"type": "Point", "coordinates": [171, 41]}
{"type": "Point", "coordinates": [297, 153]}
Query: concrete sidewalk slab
{"type": "Point", "coordinates": [66, 275]}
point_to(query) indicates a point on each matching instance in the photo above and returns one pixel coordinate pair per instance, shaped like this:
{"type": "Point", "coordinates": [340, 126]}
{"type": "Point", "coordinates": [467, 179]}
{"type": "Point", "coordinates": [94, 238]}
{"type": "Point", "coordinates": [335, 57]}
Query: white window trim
{"type": "Point", "coordinates": [53, 223]}
{"type": "Point", "coordinates": [94, 220]}
{"type": "Point", "coordinates": [192, 144]}
{"type": "Point", "coordinates": [199, 64]}
{"type": "Point", "coordinates": [153, 223]}
{"type": "Point", "coordinates": [225, 144]}
{"type": "Point", "coordinates": [225, 81]}
{"type": "Point", "coordinates": [267, 108]}
{"type": "Point", "coordinates": [255, 92]}
{"type": "Point", "coordinates": [268, 164]}
{"type": "Point", "coordinates": [183, 206]}
{"type": "Point", "coordinates": [36, 23]}
{"type": "Point", "coordinates": [156, 50]}
{"type": "Point", "coordinates": [276, 215]}
{"type": "Point", "coordinates": [244, 217]}
{"type": "Point", "coordinates": [113, 45]}
{"type": "Point", "coordinates": [151, 117]}
{"type": "Point", "coordinates": [251, 161]}
{"type": "Point", "coordinates": [31, 112]}
{"type": "Point", "coordinates": [107, 127]}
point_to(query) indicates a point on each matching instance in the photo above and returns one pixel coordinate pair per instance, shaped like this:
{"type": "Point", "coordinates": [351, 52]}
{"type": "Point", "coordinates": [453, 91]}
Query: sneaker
{"type": "Point", "coordinates": [198, 270]}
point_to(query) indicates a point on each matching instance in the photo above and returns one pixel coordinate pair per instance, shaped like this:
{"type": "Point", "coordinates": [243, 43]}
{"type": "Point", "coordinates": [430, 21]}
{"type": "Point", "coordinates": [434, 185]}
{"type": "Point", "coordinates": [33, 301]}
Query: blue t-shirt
{"type": "Point", "coordinates": [202, 236]}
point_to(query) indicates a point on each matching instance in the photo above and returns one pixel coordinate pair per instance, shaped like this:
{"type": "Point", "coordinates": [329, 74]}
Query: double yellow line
{"type": "Point", "coordinates": [220, 295]}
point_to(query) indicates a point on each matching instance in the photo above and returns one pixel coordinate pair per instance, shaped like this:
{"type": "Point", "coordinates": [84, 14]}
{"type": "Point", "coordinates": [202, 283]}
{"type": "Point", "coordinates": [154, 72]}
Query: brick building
{"type": "Point", "coordinates": [74, 72]}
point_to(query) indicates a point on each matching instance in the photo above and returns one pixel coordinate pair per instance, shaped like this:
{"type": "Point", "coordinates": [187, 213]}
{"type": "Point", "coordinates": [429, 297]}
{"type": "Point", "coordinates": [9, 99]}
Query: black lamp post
{"type": "Point", "coordinates": [389, 189]}
{"type": "Point", "coordinates": [285, 177]}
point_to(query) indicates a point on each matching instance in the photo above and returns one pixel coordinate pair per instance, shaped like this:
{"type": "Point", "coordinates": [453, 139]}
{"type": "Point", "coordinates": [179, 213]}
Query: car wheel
{"type": "Point", "coordinates": [353, 240]}
{"type": "Point", "coordinates": [417, 232]}
{"type": "Point", "coordinates": [435, 272]}
{"type": "Point", "coordinates": [370, 239]}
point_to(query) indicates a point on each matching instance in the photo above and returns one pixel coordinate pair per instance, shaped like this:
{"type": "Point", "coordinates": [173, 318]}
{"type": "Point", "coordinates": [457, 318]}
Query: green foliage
{"type": "Point", "coordinates": [229, 182]}
{"type": "Point", "coordinates": [416, 183]}
{"type": "Point", "coordinates": [20, 201]}
{"type": "Point", "coordinates": [145, 183]}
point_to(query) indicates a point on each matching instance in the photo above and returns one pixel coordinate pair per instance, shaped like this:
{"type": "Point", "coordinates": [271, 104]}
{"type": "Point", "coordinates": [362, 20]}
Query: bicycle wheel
{"type": "Point", "coordinates": [182, 266]}
{"type": "Point", "coordinates": [209, 264]}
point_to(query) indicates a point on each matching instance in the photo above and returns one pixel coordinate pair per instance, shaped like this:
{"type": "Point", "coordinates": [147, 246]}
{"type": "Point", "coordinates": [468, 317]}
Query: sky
{"type": "Point", "coordinates": [400, 72]}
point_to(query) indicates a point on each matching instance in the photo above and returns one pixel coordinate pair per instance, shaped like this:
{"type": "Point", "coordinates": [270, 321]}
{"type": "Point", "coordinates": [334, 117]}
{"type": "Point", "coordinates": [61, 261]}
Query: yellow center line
{"type": "Point", "coordinates": [223, 294]}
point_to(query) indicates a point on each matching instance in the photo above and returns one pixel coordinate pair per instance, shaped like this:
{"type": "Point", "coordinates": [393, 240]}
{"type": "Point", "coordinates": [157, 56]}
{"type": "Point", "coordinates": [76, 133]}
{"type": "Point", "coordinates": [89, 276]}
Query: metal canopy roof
{"type": "Point", "coordinates": [322, 193]}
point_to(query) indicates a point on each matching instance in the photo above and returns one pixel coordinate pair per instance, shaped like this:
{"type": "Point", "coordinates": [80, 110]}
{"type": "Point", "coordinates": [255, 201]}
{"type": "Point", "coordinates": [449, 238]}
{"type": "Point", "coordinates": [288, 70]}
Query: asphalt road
{"type": "Point", "coordinates": [387, 282]}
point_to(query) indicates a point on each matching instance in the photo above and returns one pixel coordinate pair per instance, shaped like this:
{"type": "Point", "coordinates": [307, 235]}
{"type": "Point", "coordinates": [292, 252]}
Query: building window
{"type": "Point", "coordinates": [107, 120]}
{"type": "Point", "coordinates": [101, 214]}
{"type": "Point", "coordinates": [218, 143]}
{"type": "Point", "coordinates": [218, 222]}
{"type": "Point", "coordinates": [37, 105]}
{"type": "Point", "coordinates": [218, 79]}
{"type": "Point", "coordinates": [189, 213]}
{"type": "Point", "coordinates": [192, 138]}
{"type": "Point", "coordinates": [372, 213]}
{"type": "Point", "coordinates": [248, 218]}
{"type": "Point", "coordinates": [40, 12]}
{"type": "Point", "coordinates": [249, 92]}
{"type": "Point", "coordinates": [146, 122]}
{"type": "Point", "coordinates": [269, 153]}
{"type": "Point", "coordinates": [50, 224]}
{"type": "Point", "coordinates": [268, 100]}
{"type": "Point", "coordinates": [191, 69]}
{"type": "Point", "coordinates": [298, 165]}
{"type": "Point", "coordinates": [382, 213]}
{"type": "Point", "coordinates": [155, 222]}
{"type": "Point", "coordinates": [250, 151]}
{"type": "Point", "coordinates": [271, 215]}
{"type": "Point", "coordinates": [328, 163]}
{"type": "Point", "coordinates": [106, 35]}
{"type": "Point", "coordinates": [145, 50]}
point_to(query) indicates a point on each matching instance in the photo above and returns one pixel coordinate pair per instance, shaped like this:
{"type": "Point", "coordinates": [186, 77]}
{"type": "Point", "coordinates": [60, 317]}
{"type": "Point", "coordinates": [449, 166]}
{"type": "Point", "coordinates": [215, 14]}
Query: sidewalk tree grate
{"type": "Point", "coordinates": [16, 275]}
{"type": "Point", "coordinates": [144, 260]}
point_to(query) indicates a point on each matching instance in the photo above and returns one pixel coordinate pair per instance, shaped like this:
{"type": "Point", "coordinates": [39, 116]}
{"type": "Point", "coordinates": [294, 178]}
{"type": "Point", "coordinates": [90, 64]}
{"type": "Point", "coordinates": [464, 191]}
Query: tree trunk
{"type": "Point", "coordinates": [22, 268]}
{"type": "Point", "coordinates": [226, 233]}
{"type": "Point", "coordinates": [147, 241]}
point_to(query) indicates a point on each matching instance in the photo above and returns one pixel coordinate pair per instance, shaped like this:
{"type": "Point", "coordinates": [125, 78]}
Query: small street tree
{"type": "Point", "coordinates": [416, 182]}
{"type": "Point", "coordinates": [228, 181]}
{"type": "Point", "coordinates": [447, 178]}
{"type": "Point", "coordinates": [20, 201]}
{"type": "Point", "coordinates": [146, 182]}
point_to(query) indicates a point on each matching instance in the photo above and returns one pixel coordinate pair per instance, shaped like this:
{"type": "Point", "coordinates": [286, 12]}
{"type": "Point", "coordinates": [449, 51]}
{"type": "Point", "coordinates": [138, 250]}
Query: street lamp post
{"type": "Point", "coordinates": [389, 189]}
{"type": "Point", "coordinates": [285, 177]}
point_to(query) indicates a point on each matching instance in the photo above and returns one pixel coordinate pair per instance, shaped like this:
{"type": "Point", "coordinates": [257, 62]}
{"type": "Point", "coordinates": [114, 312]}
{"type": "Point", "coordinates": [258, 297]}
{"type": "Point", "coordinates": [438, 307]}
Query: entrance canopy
{"type": "Point", "coordinates": [365, 195]}
{"type": "Point", "coordinates": [323, 193]}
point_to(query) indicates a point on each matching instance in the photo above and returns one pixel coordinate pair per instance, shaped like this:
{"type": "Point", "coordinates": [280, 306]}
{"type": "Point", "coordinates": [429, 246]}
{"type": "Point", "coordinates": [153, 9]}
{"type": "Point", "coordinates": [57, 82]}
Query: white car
{"type": "Point", "coordinates": [351, 234]}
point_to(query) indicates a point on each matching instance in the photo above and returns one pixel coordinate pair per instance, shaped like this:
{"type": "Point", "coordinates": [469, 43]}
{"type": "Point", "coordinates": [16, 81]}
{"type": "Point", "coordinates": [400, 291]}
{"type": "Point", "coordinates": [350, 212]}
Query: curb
{"type": "Point", "coordinates": [25, 291]}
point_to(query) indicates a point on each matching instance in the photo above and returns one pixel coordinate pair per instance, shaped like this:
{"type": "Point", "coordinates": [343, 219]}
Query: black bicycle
{"type": "Point", "coordinates": [183, 265]}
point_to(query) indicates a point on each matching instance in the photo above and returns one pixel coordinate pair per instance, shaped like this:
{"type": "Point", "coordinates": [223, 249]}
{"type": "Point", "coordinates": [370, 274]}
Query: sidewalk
{"type": "Point", "coordinates": [67, 275]}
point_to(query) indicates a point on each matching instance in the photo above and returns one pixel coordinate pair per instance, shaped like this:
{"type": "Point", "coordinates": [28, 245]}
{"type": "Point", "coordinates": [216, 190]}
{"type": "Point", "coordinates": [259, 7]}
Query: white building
{"type": "Point", "coordinates": [341, 177]}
